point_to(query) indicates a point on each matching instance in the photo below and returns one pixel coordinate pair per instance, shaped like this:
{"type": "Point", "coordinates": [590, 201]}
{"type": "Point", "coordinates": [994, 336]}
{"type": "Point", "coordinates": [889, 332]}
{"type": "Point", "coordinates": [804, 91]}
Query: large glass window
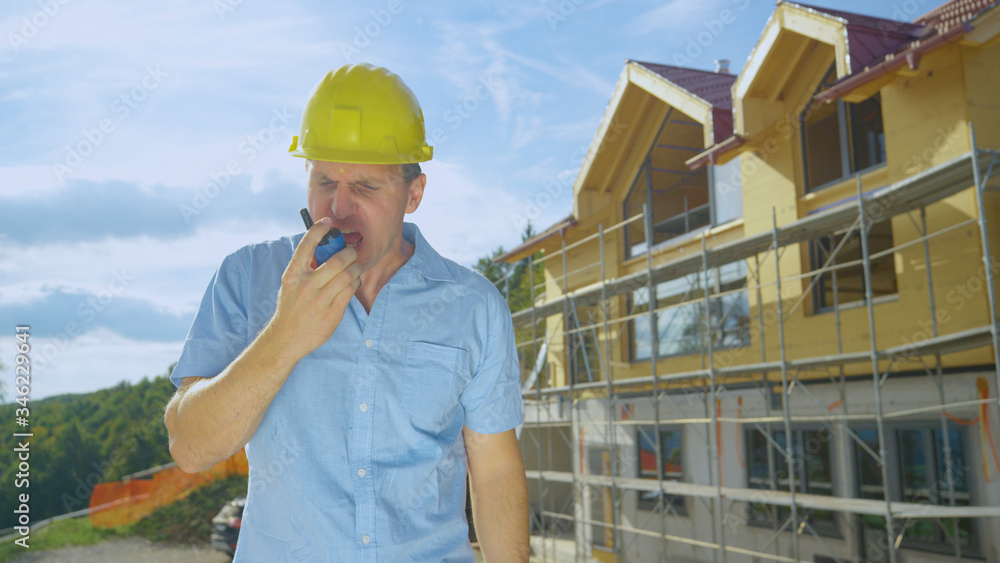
{"type": "Point", "coordinates": [671, 445]}
{"type": "Point", "coordinates": [677, 208]}
{"type": "Point", "coordinates": [840, 138]}
{"type": "Point", "coordinates": [919, 468]}
{"type": "Point", "coordinates": [680, 316]}
{"type": "Point", "coordinates": [847, 284]}
{"type": "Point", "coordinates": [727, 192]}
{"type": "Point", "coordinates": [677, 196]}
{"type": "Point", "coordinates": [812, 469]}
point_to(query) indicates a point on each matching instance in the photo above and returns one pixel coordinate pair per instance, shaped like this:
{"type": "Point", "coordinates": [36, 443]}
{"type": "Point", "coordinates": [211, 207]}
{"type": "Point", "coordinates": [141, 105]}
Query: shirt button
{"type": "Point", "coordinates": [364, 407]}
{"type": "Point", "coordinates": [369, 343]}
{"type": "Point", "coordinates": [361, 472]}
{"type": "Point", "coordinates": [365, 539]}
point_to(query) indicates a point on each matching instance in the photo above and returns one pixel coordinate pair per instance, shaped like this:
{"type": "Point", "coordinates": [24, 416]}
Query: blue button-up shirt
{"type": "Point", "coordinates": [360, 455]}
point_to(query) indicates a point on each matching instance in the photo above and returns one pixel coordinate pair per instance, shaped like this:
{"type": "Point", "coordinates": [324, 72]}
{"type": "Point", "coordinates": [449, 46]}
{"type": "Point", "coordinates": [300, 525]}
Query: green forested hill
{"type": "Point", "coordinates": [81, 440]}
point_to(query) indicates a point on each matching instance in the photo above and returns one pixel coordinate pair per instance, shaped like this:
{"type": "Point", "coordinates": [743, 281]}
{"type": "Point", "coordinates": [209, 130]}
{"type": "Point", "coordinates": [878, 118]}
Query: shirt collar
{"type": "Point", "coordinates": [425, 262]}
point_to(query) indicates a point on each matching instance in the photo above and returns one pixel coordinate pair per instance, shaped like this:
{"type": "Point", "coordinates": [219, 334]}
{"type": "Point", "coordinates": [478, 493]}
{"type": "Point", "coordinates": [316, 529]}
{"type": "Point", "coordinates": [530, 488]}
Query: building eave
{"type": "Point", "coordinates": [910, 57]}
{"type": "Point", "coordinates": [530, 246]}
{"type": "Point", "coordinates": [713, 154]}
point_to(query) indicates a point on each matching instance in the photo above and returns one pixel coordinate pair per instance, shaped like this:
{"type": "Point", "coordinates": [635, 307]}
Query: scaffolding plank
{"type": "Point", "coordinates": [944, 344]}
{"type": "Point", "coordinates": [776, 498]}
{"type": "Point", "coordinates": [921, 189]}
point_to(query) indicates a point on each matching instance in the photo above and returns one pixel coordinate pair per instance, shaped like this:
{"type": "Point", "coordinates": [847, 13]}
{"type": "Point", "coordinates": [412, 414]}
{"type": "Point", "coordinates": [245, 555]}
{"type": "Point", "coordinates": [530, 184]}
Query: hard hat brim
{"type": "Point", "coordinates": [362, 157]}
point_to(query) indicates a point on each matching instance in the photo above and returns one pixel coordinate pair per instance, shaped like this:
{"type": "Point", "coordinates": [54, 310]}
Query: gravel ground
{"type": "Point", "coordinates": [127, 550]}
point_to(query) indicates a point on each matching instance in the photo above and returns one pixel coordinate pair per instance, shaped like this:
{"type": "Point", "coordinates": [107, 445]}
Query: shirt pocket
{"type": "Point", "coordinates": [434, 377]}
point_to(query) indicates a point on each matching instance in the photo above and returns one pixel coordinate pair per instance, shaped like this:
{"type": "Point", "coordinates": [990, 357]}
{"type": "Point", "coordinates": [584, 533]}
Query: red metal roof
{"type": "Point", "coordinates": [713, 87]}
{"type": "Point", "coordinates": [937, 27]}
{"type": "Point", "coordinates": [953, 13]}
{"type": "Point", "coordinates": [869, 38]}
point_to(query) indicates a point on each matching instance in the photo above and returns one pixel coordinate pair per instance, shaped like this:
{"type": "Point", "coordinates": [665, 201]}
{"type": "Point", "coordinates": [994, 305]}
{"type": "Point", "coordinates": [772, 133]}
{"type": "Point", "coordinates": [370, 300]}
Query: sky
{"type": "Point", "coordinates": [142, 142]}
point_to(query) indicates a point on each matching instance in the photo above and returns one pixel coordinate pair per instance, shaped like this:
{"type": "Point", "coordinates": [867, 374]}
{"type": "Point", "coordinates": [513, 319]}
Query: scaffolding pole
{"type": "Point", "coordinates": [538, 402]}
{"type": "Point", "coordinates": [789, 449]}
{"type": "Point", "coordinates": [988, 260]}
{"type": "Point", "coordinates": [713, 407]}
{"type": "Point", "coordinates": [879, 422]}
{"type": "Point", "coordinates": [939, 379]}
{"type": "Point", "coordinates": [654, 343]}
{"type": "Point", "coordinates": [911, 194]}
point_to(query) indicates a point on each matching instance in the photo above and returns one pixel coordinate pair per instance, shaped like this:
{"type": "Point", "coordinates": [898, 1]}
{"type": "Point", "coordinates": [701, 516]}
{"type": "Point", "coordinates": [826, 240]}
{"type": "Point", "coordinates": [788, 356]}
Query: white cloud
{"type": "Point", "coordinates": [470, 55]}
{"type": "Point", "coordinates": [172, 274]}
{"type": "Point", "coordinates": [27, 181]}
{"type": "Point", "coordinates": [574, 74]}
{"type": "Point", "coordinates": [674, 15]}
{"type": "Point", "coordinates": [463, 216]}
{"type": "Point", "coordinates": [94, 360]}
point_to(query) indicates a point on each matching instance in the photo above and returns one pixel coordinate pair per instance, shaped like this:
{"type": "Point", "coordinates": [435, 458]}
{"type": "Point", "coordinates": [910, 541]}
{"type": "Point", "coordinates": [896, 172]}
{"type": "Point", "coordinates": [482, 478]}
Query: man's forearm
{"type": "Point", "coordinates": [500, 514]}
{"type": "Point", "coordinates": [214, 418]}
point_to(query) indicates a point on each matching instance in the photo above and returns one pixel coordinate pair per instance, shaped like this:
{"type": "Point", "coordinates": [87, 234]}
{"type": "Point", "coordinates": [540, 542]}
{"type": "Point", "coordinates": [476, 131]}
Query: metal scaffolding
{"type": "Point", "coordinates": [556, 530]}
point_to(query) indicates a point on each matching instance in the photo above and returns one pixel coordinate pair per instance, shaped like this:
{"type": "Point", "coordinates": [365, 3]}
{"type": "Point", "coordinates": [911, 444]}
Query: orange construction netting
{"type": "Point", "coordinates": [124, 502]}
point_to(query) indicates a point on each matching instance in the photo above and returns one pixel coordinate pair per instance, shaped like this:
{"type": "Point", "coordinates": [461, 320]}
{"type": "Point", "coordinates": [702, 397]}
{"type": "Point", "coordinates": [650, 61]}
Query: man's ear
{"type": "Point", "coordinates": [416, 193]}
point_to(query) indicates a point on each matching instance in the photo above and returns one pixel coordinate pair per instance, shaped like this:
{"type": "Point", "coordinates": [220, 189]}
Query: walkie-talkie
{"type": "Point", "coordinates": [331, 244]}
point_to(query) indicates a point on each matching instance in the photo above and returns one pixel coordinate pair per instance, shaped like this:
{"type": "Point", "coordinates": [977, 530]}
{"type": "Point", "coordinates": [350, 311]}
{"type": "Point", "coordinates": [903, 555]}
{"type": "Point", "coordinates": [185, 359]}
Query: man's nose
{"type": "Point", "coordinates": [342, 204]}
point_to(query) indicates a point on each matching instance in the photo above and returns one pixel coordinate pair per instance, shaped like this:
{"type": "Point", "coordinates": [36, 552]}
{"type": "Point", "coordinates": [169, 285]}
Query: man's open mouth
{"type": "Point", "coordinates": [351, 238]}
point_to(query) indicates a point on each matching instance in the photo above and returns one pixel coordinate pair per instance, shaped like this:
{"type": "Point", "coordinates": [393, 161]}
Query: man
{"type": "Point", "coordinates": [365, 387]}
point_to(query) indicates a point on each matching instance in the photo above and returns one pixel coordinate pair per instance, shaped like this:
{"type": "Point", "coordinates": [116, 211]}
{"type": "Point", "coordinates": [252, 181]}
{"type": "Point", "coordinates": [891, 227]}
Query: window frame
{"type": "Point", "coordinates": [643, 176]}
{"type": "Point", "coordinates": [816, 261]}
{"type": "Point", "coordinates": [844, 113]}
{"type": "Point", "coordinates": [676, 505]}
{"type": "Point", "coordinates": [714, 183]}
{"type": "Point", "coordinates": [697, 300]}
{"type": "Point", "coordinates": [773, 517]}
{"type": "Point", "coordinates": [895, 470]}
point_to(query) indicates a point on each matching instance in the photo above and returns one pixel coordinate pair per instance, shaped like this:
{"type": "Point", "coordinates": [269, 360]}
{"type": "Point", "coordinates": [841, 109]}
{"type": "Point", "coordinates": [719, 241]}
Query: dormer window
{"type": "Point", "coordinates": [840, 138]}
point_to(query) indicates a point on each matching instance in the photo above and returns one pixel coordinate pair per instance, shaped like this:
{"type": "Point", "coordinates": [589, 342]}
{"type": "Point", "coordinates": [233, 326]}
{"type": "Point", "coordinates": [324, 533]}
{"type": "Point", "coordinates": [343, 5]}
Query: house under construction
{"type": "Point", "coordinates": [768, 330]}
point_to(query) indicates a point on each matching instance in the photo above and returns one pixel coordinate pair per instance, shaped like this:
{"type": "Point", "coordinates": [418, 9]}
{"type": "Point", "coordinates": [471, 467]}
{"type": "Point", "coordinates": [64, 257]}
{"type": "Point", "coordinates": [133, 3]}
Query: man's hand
{"type": "Point", "coordinates": [312, 301]}
{"type": "Point", "coordinates": [209, 420]}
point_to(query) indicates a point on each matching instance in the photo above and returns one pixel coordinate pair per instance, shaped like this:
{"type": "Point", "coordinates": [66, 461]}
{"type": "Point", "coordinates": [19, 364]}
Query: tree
{"type": "Point", "coordinates": [514, 281]}
{"type": "Point", "coordinates": [3, 398]}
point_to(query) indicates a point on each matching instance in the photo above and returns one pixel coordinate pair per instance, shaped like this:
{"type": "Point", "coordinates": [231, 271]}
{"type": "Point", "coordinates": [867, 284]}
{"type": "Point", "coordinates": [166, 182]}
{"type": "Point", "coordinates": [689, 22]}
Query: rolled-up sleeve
{"type": "Point", "coordinates": [492, 400]}
{"type": "Point", "coordinates": [219, 331]}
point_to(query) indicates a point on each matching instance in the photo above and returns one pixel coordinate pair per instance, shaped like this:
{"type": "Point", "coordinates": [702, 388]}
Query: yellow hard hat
{"type": "Point", "coordinates": [362, 114]}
